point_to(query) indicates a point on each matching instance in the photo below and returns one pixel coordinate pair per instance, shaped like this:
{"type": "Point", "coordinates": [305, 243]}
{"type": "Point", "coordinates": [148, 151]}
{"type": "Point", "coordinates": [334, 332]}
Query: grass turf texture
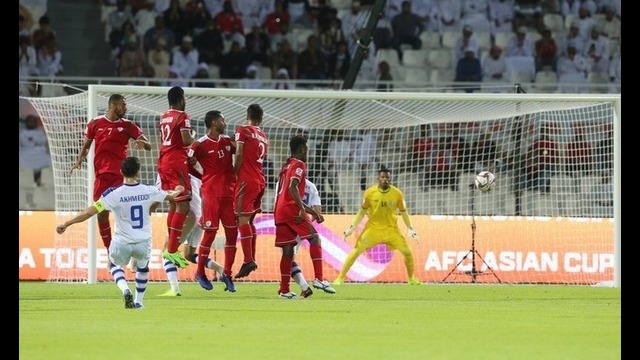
{"type": "Point", "coordinates": [361, 321]}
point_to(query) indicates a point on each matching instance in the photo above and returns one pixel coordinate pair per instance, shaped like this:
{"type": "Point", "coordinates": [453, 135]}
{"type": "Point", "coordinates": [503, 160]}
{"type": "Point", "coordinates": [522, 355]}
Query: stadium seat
{"type": "Point", "coordinates": [430, 40]}
{"type": "Point", "coordinates": [388, 55]}
{"type": "Point", "coordinates": [502, 39]}
{"type": "Point", "coordinates": [415, 58]}
{"type": "Point", "coordinates": [439, 76]}
{"type": "Point", "coordinates": [441, 59]}
{"type": "Point", "coordinates": [24, 197]}
{"type": "Point", "coordinates": [449, 39]}
{"type": "Point", "coordinates": [26, 178]}
{"type": "Point", "coordinates": [598, 82]}
{"type": "Point", "coordinates": [44, 198]}
{"type": "Point", "coordinates": [484, 40]}
{"type": "Point", "coordinates": [416, 77]}
{"type": "Point", "coordinates": [546, 81]}
{"type": "Point", "coordinates": [46, 177]}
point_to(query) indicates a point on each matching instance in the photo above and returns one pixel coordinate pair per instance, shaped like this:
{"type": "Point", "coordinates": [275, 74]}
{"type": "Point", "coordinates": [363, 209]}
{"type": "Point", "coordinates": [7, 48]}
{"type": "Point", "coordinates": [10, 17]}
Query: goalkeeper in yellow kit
{"type": "Point", "coordinates": [381, 203]}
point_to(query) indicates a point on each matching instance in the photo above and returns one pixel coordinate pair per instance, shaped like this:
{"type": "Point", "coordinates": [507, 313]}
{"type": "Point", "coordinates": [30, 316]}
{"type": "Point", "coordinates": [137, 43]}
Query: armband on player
{"type": "Point", "coordinates": [99, 206]}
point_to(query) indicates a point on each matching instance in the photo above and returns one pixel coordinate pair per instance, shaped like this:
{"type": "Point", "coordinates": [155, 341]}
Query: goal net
{"type": "Point", "coordinates": [552, 217]}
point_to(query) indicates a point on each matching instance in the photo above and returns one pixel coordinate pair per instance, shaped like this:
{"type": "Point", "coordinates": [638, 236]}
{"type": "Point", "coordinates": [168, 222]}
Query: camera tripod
{"type": "Point", "coordinates": [474, 272]}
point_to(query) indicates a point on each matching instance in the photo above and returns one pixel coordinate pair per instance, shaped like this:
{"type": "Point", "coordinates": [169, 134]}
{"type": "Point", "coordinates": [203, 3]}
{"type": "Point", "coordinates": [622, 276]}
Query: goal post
{"type": "Point", "coordinates": [553, 216]}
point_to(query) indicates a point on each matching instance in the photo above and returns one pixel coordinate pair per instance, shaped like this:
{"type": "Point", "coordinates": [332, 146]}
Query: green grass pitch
{"type": "Point", "coordinates": [360, 321]}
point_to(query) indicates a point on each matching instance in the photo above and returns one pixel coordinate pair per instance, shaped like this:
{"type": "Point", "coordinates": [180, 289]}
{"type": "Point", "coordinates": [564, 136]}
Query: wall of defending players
{"type": "Point", "coordinates": [513, 252]}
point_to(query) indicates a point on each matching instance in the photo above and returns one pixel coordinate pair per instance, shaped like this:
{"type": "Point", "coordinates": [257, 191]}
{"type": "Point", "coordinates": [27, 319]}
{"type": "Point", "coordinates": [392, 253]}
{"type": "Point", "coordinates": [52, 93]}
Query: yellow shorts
{"type": "Point", "coordinates": [390, 237]}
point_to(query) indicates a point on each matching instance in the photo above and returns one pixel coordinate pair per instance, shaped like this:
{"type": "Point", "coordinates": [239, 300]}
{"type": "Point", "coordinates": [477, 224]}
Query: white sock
{"type": "Point", "coordinates": [211, 264]}
{"type": "Point", "coordinates": [142, 277]}
{"type": "Point", "coordinates": [172, 275]}
{"type": "Point", "coordinates": [119, 278]}
{"type": "Point", "coordinates": [298, 277]}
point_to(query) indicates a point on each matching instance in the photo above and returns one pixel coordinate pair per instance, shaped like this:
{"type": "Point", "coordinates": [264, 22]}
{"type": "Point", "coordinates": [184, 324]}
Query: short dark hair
{"type": "Point", "coordinates": [130, 166]}
{"type": "Point", "coordinates": [383, 169]}
{"type": "Point", "coordinates": [175, 94]}
{"type": "Point", "coordinates": [115, 98]}
{"type": "Point", "coordinates": [255, 112]}
{"type": "Point", "coordinates": [297, 143]}
{"type": "Point", "coordinates": [210, 116]}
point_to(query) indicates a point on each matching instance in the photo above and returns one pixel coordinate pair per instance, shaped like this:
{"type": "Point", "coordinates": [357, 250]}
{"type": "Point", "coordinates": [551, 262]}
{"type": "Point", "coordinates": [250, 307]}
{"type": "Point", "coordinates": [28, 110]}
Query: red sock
{"type": "Point", "coordinates": [205, 248]}
{"type": "Point", "coordinates": [175, 231]}
{"type": "Point", "coordinates": [105, 233]}
{"type": "Point", "coordinates": [246, 241]}
{"type": "Point", "coordinates": [230, 248]}
{"type": "Point", "coordinates": [285, 274]}
{"type": "Point", "coordinates": [253, 241]}
{"type": "Point", "coordinates": [315, 251]}
{"type": "Point", "coordinates": [169, 218]}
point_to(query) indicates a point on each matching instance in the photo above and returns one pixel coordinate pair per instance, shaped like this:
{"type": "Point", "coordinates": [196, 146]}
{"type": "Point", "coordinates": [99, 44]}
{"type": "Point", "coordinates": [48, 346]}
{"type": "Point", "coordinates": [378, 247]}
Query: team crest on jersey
{"type": "Point", "coordinates": [299, 172]}
{"type": "Point", "coordinates": [120, 129]}
{"type": "Point", "coordinates": [207, 223]}
{"type": "Point", "coordinates": [228, 148]}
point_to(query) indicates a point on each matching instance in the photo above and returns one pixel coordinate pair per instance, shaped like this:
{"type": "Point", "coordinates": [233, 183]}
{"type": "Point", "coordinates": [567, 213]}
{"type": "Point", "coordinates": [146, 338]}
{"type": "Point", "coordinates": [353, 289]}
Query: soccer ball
{"type": "Point", "coordinates": [485, 181]}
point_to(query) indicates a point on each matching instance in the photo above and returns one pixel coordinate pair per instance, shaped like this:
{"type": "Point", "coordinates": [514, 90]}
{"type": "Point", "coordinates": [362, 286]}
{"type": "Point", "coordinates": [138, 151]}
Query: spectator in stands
{"type": "Point", "coordinates": [230, 24]}
{"type": "Point", "coordinates": [572, 72]}
{"type": "Point", "coordinates": [476, 14]}
{"type": "Point", "coordinates": [615, 73]}
{"type": "Point", "coordinates": [574, 39]}
{"type": "Point", "coordinates": [251, 80]}
{"type": "Point", "coordinates": [544, 152]}
{"type": "Point", "coordinates": [185, 58]}
{"type": "Point", "coordinates": [234, 62]}
{"type": "Point", "coordinates": [406, 27]}
{"type": "Point", "coordinates": [43, 33]}
{"type": "Point", "coordinates": [546, 51]}
{"type": "Point", "coordinates": [285, 58]}
{"type": "Point", "coordinates": [330, 37]}
{"type": "Point", "coordinates": [145, 18]}
{"type": "Point", "coordinates": [469, 69]}
{"type": "Point", "coordinates": [283, 81]}
{"type": "Point", "coordinates": [152, 35]}
{"type": "Point", "coordinates": [494, 67]}
{"type": "Point", "coordinates": [584, 21]}
{"type": "Point", "coordinates": [312, 64]}
{"type": "Point", "coordinates": [175, 19]}
{"type": "Point", "coordinates": [450, 13]}
{"type": "Point", "coordinates": [175, 79]}
{"type": "Point", "coordinates": [501, 14]}
{"type": "Point", "coordinates": [364, 150]}
{"type": "Point", "coordinates": [465, 41]}
{"type": "Point", "coordinates": [325, 15]}
{"type": "Point", "coordinates": [49, 59]}
{"type": "Point", "coordinates": [196, 17]}
{"type": "Point", "coordinates": [115, 21]}
{"type": "Point", "coordinates": [159, 58]}
{"type": "Point", "coordinates": [385, 79]}
{"type": "Point", "coordinates": [257, 45]}
{"type": "Point", "coordinates": [570, 7]}
{"type": "Point", "coordinates": [482, 154]}
{"type": "Point", "coordinates": [253, 11]}
{"type": "Point", "coordinates": [597, 51]}
{"type": "Point", "coordinates": [519, 44]}
{"type": "Point", "coordinates": [578, 156]}
{"type": "Point", "coordinates": [612, 26]}
{"type": "Point", "coordinates": [213, 6]}
{"type": "Point", "coordinates": [202, 77]}
{"type": "Point", "coordinates": [27, 57]}
{"type": "Point", "coordinates": [33, 149]}
{"type": "Point", "coordinates": [277, 17]}
{"type": "Point", "coordinates": [132, 60]}
{"type": "Point", "coordinates": [441, 168]}
{"type": "Point", "coordinates": [338, 62]}
{"type": "Point", "coordinates": [604, 150]}
{"type": "Point", "coordinates": [210, 45]}
{"type": "Point", "coordinates": [119, 40]}
{"type": "Point", "coordinates": [284, 34]}
{"type": "Point", "coordinates": [25, 21]}
{"type": "Point", "coordinates": [420, 152]}
{"type": "Point", "coordinates": [300, 11]}
{"type": "Point", "coordinates": [352, 22]}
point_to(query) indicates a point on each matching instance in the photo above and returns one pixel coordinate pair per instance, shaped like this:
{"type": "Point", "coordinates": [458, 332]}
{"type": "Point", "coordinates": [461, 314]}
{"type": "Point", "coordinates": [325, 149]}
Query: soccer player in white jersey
{"type": "Point", "coordinates": [193, 235]}
{"type": "Point", "coordinates": [132, 204]}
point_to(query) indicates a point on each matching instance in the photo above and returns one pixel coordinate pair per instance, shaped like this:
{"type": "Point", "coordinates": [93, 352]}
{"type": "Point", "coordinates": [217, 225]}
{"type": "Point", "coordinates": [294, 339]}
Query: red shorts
{"type": "Point", "coordinates": [247, 199]}
{"type": "Point", "coordinates": [172, 177]}
{"type": "Point", "coordinates": [104, 181]}
{"type": "Point", "coordinates": [288, 233]}
{"type": "Point", "coordinates": [216, 210]}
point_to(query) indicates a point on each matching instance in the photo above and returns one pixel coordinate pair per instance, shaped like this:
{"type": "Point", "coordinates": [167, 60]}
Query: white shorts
{"type": "Point", "coordinates": [121, 251]}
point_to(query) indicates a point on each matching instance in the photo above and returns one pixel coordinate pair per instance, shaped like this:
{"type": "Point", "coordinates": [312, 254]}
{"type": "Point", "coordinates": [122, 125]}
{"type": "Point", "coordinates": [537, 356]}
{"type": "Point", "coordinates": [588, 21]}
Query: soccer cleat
{"type": "Point", "coordinates": [337, 281]}
{"type": "Point", "coordinates": [176, 258]}
{"type": "Point", "coordinates": [414, 281]}
{"type": "Point", "coordinates": [203, 281]}
{"type": "Point", "coordinates": [246, 269]}
{"type": "Point", "coordinates": [305, 294]}
{"type": "Point", "coordinates": [324, 286]}
{"type": "Point", "coordinates": [138, 306]}
{"type": "Point", "coordinates": [229, 286]}
{"type": "Point", "coordinates": [128, 300]}
{"type": "Point", "coordinates": [170, 293]}
{"type": "Point", "coordinates": [289, 296]}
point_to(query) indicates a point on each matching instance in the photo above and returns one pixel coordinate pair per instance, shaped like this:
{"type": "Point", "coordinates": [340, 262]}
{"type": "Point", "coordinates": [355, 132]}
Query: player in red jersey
{"type": "Point", "coordinates": [292, 223]}
{"type": "Point", "coordinates": [175, 133]}
{"type": "Point", "coordinates": [111, 133]}
{"type": "Point", "coordinates": [214, 152]}
{"type": "Point", "coordinates": [252, 146]}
